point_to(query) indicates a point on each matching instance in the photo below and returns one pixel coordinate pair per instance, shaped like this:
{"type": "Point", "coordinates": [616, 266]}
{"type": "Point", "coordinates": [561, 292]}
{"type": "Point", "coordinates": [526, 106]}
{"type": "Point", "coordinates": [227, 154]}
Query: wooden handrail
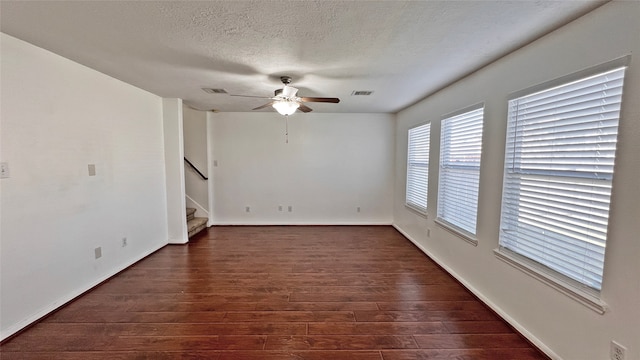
{"type": "Point", "coordinates": [196, 169]}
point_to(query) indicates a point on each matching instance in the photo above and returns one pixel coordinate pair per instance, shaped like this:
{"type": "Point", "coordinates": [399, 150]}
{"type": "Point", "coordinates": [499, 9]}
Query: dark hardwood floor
{"type": "Point", "coordinates": [302, 292]}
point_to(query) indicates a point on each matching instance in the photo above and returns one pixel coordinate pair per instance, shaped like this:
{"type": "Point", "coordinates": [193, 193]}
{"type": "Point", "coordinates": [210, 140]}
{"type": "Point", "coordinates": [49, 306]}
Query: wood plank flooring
{"type": "Point", "coordinates": [301, 292]}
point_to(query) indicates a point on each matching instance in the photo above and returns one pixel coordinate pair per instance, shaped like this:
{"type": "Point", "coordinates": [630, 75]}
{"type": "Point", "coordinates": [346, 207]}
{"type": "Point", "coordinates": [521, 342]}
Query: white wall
{"type": "Point", "coordinates": [332, 164]}
{"type": "Point", "coordinates": [174, 170]}
{"type": "Point", "coordinates": [563, 327]}
{"type": "Point", "coordinates": [195, 149]}
{"type": "Point", "coordinates": [56, 118]}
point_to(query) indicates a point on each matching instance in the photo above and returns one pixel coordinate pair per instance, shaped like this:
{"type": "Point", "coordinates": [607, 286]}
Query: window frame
{"type": "Point", "coordinates": [464, 234]}
{"type": "Point", "coordinates": [415, 207]}
{"type": "Point", "coordinates": [589, 297]}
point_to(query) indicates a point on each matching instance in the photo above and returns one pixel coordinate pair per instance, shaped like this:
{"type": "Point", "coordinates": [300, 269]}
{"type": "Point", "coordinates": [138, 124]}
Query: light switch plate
{"type": "Point", "coordinates": [92, 169]}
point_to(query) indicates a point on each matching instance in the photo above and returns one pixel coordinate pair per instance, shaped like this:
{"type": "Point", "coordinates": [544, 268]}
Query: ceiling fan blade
{"type": "Point", "coordinates": [304, 108]}
{"type": "Point", "coordinates": [264, 106]}
{"type": "Point", "coordinates": [320, 99]}
{"type": "Point", "coordinates": [251, 96]}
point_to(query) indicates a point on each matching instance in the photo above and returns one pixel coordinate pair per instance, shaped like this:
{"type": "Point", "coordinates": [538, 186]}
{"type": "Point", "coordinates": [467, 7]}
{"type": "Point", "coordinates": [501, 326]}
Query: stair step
{"type": "Point", "coordinates": [196, 224]}
{"type": "Point", "coordinates": [190, 212]}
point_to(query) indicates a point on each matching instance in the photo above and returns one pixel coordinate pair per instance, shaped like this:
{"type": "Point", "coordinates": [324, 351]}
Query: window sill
{"type": "Point", "coordinates": [565, 287]}
{"type": "Point", "coordinates": [470, 238]}
{"type": "Point", "coordinates": [416, 211]}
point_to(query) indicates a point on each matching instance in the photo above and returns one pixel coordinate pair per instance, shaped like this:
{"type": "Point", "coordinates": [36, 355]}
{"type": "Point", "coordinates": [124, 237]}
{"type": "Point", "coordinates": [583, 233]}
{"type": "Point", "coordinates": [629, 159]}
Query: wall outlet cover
{"type": "Point", "coordinates": [617, 351]}
{"type": "Point", "coordinates": [4, 170]}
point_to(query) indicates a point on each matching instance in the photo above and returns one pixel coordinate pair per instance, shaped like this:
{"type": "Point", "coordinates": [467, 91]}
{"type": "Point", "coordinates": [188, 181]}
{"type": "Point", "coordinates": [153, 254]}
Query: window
{"type": "Point", "coordinates": [418, 167]}
{"type": "Point", "coordinates": [460, 149]}
{"type": "Point", "coordinates": [560, 153]}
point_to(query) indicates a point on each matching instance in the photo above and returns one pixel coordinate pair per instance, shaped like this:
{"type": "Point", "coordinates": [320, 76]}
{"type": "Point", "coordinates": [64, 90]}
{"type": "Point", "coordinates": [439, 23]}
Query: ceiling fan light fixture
{"type": "Point", "coordinates": [286, 107]}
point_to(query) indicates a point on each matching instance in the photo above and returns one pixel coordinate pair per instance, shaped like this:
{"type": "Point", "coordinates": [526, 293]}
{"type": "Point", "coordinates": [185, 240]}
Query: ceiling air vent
{"type": "Point", "coordinates": [361, 93]}
{"type": "Point", "coordinates": [214, 91]}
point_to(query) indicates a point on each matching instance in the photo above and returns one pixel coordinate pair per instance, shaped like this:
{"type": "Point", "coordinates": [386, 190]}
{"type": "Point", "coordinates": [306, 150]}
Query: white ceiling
{"type": "Point", "coordinates": [402, 50]}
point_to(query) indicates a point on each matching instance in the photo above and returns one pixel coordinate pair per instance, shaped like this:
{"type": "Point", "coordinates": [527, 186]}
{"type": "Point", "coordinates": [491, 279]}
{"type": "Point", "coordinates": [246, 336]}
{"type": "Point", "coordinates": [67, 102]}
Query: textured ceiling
{"type": "Point", "coordinates": [402, 50]}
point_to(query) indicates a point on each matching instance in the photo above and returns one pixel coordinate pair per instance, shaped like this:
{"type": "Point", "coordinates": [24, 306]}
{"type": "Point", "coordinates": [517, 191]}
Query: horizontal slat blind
{"type": "Point", "coordinates": [460, 149]}
{"type": "Point", "coordinates": [418, 167]}
{"type": "Point", "coordinates": [560, 154]}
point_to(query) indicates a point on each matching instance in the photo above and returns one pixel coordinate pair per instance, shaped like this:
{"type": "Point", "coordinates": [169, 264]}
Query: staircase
{"type": "Point", "coordinates": [195, 224]}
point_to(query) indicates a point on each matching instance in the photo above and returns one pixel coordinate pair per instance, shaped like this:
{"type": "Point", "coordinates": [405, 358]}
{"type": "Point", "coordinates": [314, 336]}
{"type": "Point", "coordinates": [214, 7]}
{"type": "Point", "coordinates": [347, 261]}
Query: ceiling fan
{"type": "Point", "coordinates": [286, 101]}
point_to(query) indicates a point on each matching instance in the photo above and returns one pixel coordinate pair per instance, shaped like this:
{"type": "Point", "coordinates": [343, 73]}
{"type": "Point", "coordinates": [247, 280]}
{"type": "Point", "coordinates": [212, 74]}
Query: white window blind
{"type": "Point", "coordinates": [560, 153]}
{"type": "Point", "coordinates": [418, 167]}
{"type": "Point", "coordinates": [460, 149]}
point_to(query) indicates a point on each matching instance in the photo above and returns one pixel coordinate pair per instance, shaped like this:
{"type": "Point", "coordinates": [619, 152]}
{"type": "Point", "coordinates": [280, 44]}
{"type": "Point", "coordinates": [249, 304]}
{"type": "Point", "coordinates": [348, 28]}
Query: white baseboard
{"type": "Point", "coordinates": [178, 241]}
{"type": "Point", "coordinates": [301, 223]}
{"type": "Point", "coordinates": [62, 301]}
{"type": "Point", "coordinates": [521, 329]}
{"type": "Point", "coordinates": [69, 297]}
{"type": "Point", "coordinates": [200, 210]}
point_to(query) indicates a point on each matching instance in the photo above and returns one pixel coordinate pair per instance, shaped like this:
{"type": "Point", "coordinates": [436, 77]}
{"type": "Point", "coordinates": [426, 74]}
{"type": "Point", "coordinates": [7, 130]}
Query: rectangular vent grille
{"type": "Point", "coordinates": [361, 93]}
{"type": "Point", "coordinates": [214, 91]}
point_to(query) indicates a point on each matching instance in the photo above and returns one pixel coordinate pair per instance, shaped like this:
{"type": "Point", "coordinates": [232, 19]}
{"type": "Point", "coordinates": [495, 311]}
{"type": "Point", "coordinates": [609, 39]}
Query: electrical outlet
{"type": "Point", "coordinates": [290, 208]}
{"type": "Point", "coordinates": [279, 207]}
{"type": "Point", "coordinates": [124, 241]}
{"type": "Point", "coordinates": [4, 170]}
{"type": "Point", "coordinates": [617, 351]}
{"type": "Point", "coordinates": [358, 209]}
{"type": "Point", "coordinates": [97, 252]}
{"type": "Point", "coordinates": [247, 209]}
{"type": "Point", "coordinates": [215, 163]}
{"type": "Point", "coordinates": [92, 169]}
{"type": "Point", "coordinates": [428, 232]}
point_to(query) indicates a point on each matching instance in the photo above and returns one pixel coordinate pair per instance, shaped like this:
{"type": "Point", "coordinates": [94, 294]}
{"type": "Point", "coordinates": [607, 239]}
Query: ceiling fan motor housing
{"type": "Point", "coordinates": [285, 79]}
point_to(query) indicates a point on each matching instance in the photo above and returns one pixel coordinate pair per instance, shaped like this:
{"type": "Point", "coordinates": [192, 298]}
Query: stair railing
{"type": "Point", "coordinates": [196, 169]}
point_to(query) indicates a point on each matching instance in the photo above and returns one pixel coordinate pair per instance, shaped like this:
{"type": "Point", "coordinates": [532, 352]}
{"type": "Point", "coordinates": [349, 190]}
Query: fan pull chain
{"type": "Point", "coordinates": [286, 129]}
